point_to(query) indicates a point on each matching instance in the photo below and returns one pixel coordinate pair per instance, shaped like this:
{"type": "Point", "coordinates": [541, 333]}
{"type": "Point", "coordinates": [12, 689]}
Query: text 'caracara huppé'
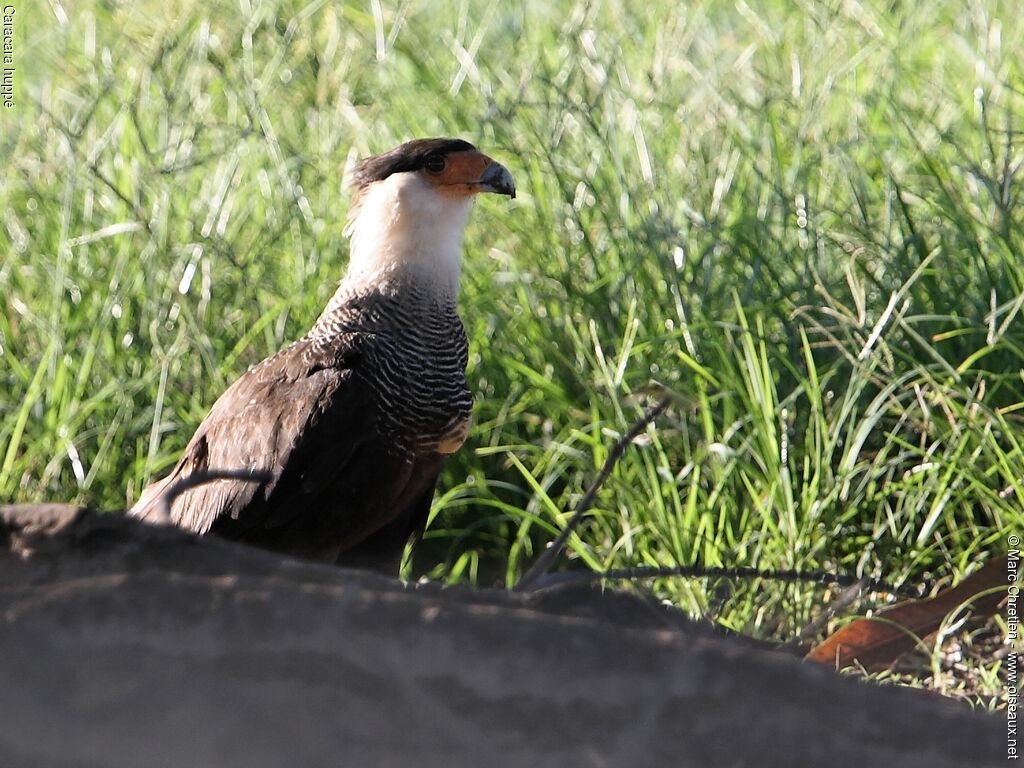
{"type": "Point", "coordinates": [347, 428]}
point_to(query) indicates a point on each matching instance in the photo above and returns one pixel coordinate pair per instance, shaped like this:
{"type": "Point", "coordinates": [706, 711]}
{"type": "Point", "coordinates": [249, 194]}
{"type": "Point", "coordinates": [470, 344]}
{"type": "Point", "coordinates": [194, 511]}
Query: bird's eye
{"type": "Point", "coordinates": [434, 163]}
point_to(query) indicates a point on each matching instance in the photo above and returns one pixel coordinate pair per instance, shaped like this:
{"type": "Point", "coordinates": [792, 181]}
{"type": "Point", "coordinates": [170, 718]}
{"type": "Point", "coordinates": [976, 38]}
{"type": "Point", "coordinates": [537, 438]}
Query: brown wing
{"type": "Point", "coordinates": [271, 420]}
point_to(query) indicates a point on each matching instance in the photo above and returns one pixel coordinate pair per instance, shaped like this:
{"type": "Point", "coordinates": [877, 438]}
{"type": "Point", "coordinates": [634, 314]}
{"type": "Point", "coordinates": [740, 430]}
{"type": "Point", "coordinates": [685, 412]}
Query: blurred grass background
{"type": "Point", "coordinates": [802, 217]}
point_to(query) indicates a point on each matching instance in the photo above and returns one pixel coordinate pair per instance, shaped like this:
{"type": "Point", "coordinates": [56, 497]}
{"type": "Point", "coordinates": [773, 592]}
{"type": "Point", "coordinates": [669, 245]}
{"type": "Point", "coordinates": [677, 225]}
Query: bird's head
{"type": "Point", "coordinates": [410, 207]}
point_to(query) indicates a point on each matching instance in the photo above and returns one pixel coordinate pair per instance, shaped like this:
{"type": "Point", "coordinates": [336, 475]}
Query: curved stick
{"type": "Point", "coordinates": [548, 557]}
{"type": "Point", "coordinates": [208, 476]}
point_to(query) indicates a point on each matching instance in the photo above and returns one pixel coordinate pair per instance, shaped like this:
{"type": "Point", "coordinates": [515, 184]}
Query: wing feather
{"type": "Point", "coordinates": [268, 421]}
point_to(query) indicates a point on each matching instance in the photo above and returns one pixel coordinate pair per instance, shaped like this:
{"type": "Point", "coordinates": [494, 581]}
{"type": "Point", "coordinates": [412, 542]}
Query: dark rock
{"type": "Point", "coordinates": [128, 645]}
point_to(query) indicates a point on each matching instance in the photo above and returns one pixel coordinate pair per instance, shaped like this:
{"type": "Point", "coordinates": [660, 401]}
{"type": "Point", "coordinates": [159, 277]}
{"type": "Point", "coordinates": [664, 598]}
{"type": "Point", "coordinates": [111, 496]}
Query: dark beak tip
{"type": "Point", "coordinates": [497, 179]}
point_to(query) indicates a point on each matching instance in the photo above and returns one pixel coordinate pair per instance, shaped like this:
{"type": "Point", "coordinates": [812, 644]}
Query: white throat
{"type": "Point", "coordinates": [405, 228]}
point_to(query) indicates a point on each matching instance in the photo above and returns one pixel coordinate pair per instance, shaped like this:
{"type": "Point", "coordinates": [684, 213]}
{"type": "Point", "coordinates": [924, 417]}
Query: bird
{"type": "Point", "coordinates": [331, 448]}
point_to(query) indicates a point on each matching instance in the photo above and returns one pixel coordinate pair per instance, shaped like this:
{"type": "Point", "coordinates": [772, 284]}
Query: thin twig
{"type": "Point", "coordinates": [548, 557]}
{"type": "Point", "coordinates": [842, 601]}
{"type": "Point", "coordinates": [695, 571]}
{"type": "Point", "coordinates": [179, 487]}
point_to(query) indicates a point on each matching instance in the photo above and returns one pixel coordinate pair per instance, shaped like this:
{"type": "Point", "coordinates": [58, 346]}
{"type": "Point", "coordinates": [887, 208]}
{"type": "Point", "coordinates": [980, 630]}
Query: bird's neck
{"type": "Point", "coordinates": [406, 249]}
{"type": "Point", "coordinates": [406, 235]}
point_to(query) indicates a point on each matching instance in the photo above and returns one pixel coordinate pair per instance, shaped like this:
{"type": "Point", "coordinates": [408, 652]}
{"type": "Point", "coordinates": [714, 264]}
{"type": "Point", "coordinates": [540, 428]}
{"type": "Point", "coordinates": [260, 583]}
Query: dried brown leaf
{"type": "Point", "coordinates": [877, 642]}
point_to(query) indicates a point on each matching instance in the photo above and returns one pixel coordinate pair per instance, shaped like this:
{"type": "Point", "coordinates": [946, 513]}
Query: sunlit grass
{"type": "Point", "coordinates": [802, 218]}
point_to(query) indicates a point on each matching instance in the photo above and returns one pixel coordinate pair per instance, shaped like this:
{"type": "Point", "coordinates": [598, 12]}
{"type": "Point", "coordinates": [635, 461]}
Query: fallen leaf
{"type": "Point", "coordinates": [877, 642]}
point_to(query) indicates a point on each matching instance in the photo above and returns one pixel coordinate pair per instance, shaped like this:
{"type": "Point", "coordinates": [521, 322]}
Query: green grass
{"type": "Point", "coordinates": [801, 217]}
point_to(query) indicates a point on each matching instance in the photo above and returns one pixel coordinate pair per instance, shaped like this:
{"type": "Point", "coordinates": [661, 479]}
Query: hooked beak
{"type": "Point", "coordinates": [497, 179]}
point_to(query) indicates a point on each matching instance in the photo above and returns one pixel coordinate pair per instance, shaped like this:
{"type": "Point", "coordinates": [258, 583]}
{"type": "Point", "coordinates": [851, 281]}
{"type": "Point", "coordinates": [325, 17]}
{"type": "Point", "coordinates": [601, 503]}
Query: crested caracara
{"type": "Point", "coordinates": [346, 429]}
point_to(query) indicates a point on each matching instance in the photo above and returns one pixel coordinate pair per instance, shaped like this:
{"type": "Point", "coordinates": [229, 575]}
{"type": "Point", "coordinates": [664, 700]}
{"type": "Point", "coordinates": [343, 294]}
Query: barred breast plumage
{"type": "Point", "coordinates": [416, 362]}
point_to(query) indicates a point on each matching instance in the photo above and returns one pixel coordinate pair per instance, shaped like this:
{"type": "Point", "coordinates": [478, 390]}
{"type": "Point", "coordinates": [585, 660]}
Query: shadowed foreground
{"type": "Point", "coordinates": [128, 645]}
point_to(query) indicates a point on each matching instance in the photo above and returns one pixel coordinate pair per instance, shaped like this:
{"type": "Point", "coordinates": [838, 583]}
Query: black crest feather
{"type": "Point", "coordinates": [411, 156]}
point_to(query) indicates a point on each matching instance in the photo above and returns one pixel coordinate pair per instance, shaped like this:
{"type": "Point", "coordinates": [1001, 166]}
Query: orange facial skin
{"type": "Point", "coordinates": [462, 172]}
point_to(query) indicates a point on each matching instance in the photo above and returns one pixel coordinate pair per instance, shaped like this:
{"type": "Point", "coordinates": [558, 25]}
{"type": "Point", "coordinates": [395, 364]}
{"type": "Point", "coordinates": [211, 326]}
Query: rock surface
{"type": "Point", "coordinates": [128, 645]}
